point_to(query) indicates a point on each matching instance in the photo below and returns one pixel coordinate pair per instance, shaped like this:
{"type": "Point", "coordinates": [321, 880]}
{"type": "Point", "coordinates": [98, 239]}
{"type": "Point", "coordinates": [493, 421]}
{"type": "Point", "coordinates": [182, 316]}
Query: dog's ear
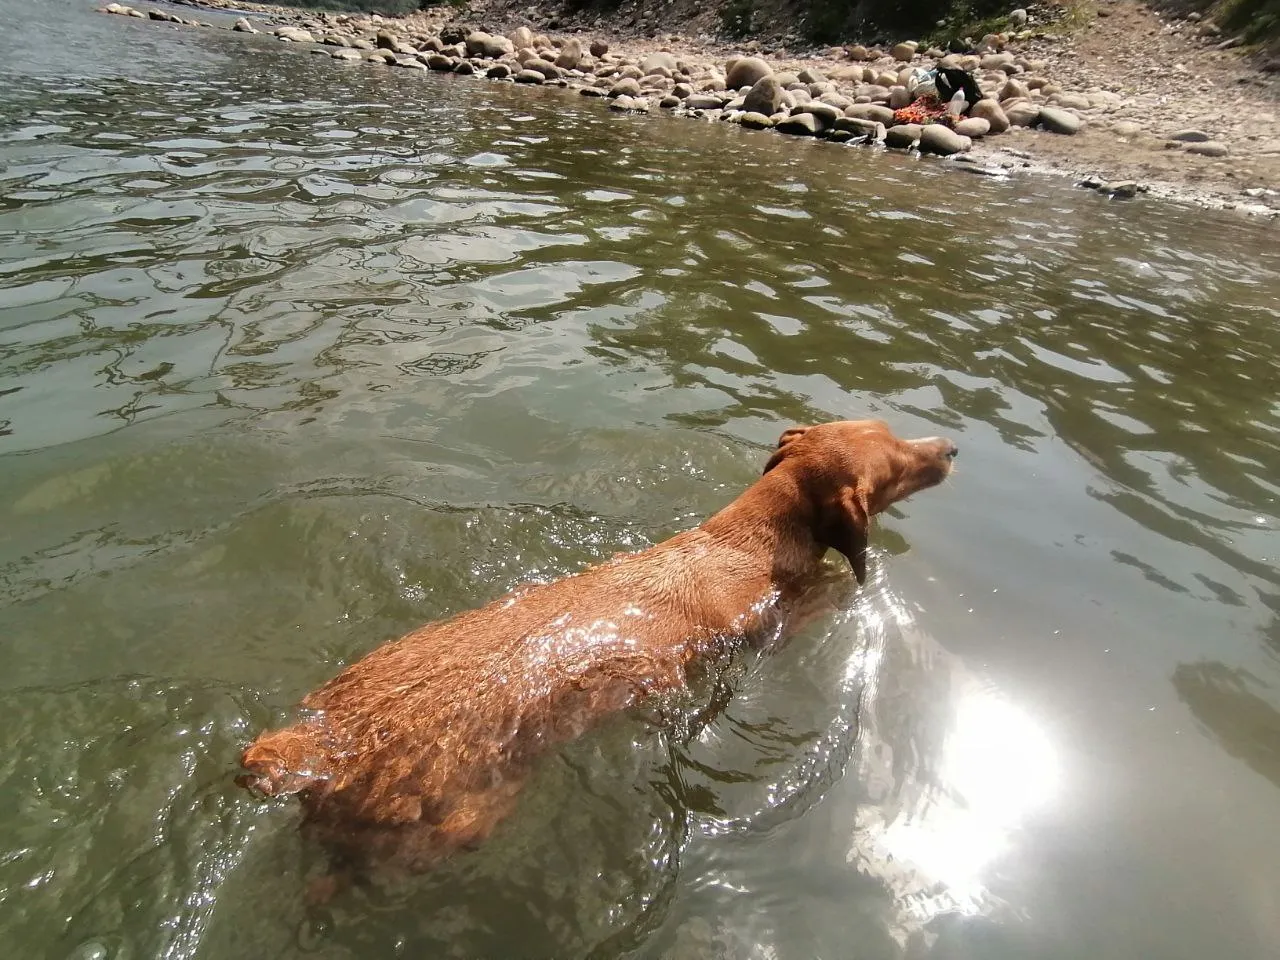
{"type": "Point", "coordinates": [788, 437]}
{"type": "Point", "coordinates": [843, 526]}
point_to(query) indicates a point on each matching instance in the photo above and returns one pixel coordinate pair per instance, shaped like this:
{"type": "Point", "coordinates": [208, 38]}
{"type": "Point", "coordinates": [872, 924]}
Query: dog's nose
{"type": "Point", "coordinates": [952, 452]}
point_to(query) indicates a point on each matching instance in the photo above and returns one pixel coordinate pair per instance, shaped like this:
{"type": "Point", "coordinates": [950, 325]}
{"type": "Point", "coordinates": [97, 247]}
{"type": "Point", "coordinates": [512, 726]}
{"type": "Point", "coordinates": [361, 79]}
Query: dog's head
{"type": "Point", "coordinates": [851, 470]}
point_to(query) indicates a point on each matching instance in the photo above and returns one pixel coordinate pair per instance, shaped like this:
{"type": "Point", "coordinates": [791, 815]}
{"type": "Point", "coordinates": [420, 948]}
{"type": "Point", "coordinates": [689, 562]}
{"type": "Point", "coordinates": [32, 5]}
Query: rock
{"type": "Point", "coordinates": [1018, 17]}
{"type": "Point", "coordinates": [810, 75]}
{"type": "Point", "coordinates": [440, 62]}
{"type": "Point", "coordinates": [548, 69]}
{"type": "Point", "coordinates": [996, 61]}
{"type": "Point", "coordinates": [826, 114]}
{"type": "Point", "coordinates": [935, 138]}
{"type": "Point", "coordinates": [858, 53]}
{"type": "Point", "coordinates": [973, 127]}
{"type": "Point", "coordinates": [871, 111]}
{"type": "Point", "coordinates": [903, 136]}
{"type": "Point", "coordinates": [682, 90]}
{"type": "Point", "coordinates": [1021, 113]}
{"type": "Point", "coordinates": [521, 37]}
{"type": "Point", "coordinates": [800, 124]}
{"type": "Point", "coordinates": [626, 87]}
{"type": "Point", "coordinates": [530, 76]}
{"type": "Point", "coordinates": [1124, 189]}
{"type": "Point", "coordinates": [746, 72]}
{"type": "Point", "coordinates": [1191, 136]}
{"type": "Point", "coordinates": [1209, 148]}
{"type": "Point", "coordinates": [991, 112]}
{"type": "Point", "coordinates": [756, 121]}
{"type": "Point", "coordinates": [903, 52]}
{"type": "Point", "coordinates": [668, 102]}
{"type": "Point", "coordinates": [867, 128]}
{"type": "Point", "coordinates": [599, 48]}
{"type": "Point", "coordinates": [660, 59]}
{"type": "Point", "coordinates": [621, 104]}
{"type": "Point", "coordinates": [1059, 121]}
{"type": "Point", "coordinates": [1013, 90]}
{"type": "Point", "coordinates": [346, 53]}
{"type": "Point", "coordinates": [570, 55]}
{"type": "Point", "coordinates": [703, 101]}
{"type": "Point", "coordinates": [386, 41]}
{"type": "Point", "coordinates": [297, 35]}
{"type": "Point", "coordinates": [886, 79]}
{"type": "Point", "coordinates": [1127, 129]}
{"type": "Point", "coordinates": [898, 98]}
{"type": "Point", "coordinates": [335, 40]}
{"type": "Point", "coordinates": [243, 26]}
{"type": "Point", "coordinates": [765, 97]}
{"type": "Point", "coordinates": [1070, 101]}
{"type": "Point", "coordinates": [481, 44]}
{"type": "Point", "coordinates": [499, 71]}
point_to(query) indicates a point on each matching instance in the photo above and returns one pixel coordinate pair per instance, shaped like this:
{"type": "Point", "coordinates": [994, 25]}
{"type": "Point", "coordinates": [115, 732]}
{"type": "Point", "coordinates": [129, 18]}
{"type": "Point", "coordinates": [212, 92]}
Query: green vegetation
{"type": "Point", "coordinates": [833, 20]}
{"type": "Point", "coordinates": [1258, 21]}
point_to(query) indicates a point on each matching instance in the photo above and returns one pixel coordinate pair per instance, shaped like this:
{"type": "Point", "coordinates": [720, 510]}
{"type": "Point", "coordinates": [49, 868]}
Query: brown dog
{"type": "Point", "coordinates": [421, 747]}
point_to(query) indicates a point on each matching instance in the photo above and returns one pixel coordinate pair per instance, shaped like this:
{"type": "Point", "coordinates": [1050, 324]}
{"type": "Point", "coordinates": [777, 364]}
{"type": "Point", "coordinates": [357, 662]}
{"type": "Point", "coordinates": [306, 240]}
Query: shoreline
{"type": "Point", "coordinates": [844, 94]}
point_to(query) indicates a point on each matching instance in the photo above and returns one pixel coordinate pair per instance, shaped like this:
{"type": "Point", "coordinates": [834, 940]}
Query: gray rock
{"type": "Point", "coordinates": [903, 52]}
{"type": "Point", "coordinates": [1210, 148]}
{"type": "Point", "coordinates": [481, 44]}
{"type": "Point", "coordinates": [810, 75]}
{"type": "Point", "coordinates": [668, 102]}
{"type": "Point", "coordinates": [1191, 136]}
{"type": "Point", "coordinates": [548, 69]}
{"type": "Point", "coordinates": [627, 87]}
{"type": "Point", "coordinates": [826, 114]}
{"type": "Point", "coordinates": [244, 26]}
{"type": "Point", "coordinates": [756, 121]}
{"type": "Point", "coordinates": [973, 127]}
{"type": "Point", "coordinates": [866, 128]}
{"type": "Point", "coordinates": [703, 101]}
{"type": "Point", "coordinates": [521, 37]}
{"type": "Point", "coordinates": [570, 55]}
{"type": "Point", "coordinates": [1070, 101]}
{"type": "Point", "coordinates": [1056, 120]}
{"type": "Point", "coordinates": [623, 104]}
{"type": "Point", "coordinates": [898, 98]}
{"type": "Point", "coordinates": [991, 112]}
{"type": "Point", "coordinates": [1124, 189]}
{"type": "Point", "coordinates": [655, 60]}
{"type": "Point", "coordinates": [592, 92]}
{"type": "Point", "coordinates": [935, 138]}
{"type": "Point", "coordinates": [599, 48]}
{"type": "Point", "coordinates": [800, 124]}
{"type": "Point", "coordinates": [871, 111]}
{"type": "Point", "coordinates": [438, 61]}
{"type": "Point", "coordinates": [1022, 113]}
{"type": "Point", "coordinates": [530, 76]}
{"type": "Point", "coordinates": [499, 71]}
{"type": "Point", "coordinates": [346, 53]}
{"type": "Point", "coordinates": [746, 72]}
{"type": "Point", "coordinates": [1018, 17]}
{"type": "Point", "coordinates": [1126, 128]}
{"type": "Point", "coordinates": [465, 68]}
{"type": "Point", "coordinates": [1013, 90]}
{"type": "Point", "coordinates": [996, 61]}
{"type": "Point", "coordinates": [765, 97]}
{"type": "Point", "coordinates": [903, 136]}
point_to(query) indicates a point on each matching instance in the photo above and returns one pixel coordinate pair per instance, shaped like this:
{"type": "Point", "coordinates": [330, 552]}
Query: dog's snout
{"type": "Point", "coordinates": [952, 451]}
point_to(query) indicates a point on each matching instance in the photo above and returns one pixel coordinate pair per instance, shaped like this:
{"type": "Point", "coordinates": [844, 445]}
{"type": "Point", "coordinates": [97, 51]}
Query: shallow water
{"type": "Point", "coordinates": [296, 355]}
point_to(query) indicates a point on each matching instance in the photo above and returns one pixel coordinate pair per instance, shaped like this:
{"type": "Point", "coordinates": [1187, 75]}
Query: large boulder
{"type": "Point", "coordinates": [871, 111]}
{"type": "Point", "coordinates": [764, 97]}
{"type": "Point", "coordinates": [659, 59]}
{"type": "Point", "coordinates": [570, 55]}
{"type": "Point", "coordinates": [746, 72]}
{"type": "Point", "coordinates": [800, 124]}
{"type": "Point", "coordinates": [521, 37]}
{"type": "Point", "coordinates": [942, 140]}
{"type": "Point", "coordinates": [903, 136]}
{"type": "Point", "coordinates": [481, 44]}
{"type": "Point", "coordinates": [1021, 113]}
{"type": "Point", "coordinates": [1056, 120]}
{"type": "Point", "coordinates": [991, 112]}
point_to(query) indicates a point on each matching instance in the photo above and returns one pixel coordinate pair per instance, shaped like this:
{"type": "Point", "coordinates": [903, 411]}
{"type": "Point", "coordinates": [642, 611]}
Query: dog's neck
{"type": "Point", "coordinates": [774, 518]}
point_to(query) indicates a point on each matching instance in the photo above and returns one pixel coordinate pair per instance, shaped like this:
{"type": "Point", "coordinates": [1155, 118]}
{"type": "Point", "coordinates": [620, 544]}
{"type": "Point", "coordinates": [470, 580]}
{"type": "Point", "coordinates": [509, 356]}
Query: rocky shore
{"type": "Point", "coordinates": [1042, 110]}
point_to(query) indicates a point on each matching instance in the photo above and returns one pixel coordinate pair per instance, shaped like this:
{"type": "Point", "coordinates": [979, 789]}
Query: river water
{"type": "Point", "coordinates": [297, 355]}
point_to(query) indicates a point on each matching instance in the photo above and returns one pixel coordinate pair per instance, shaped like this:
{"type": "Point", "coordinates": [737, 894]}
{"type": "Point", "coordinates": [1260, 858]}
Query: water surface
{"type": "Point", "coordinates": [296, 355]}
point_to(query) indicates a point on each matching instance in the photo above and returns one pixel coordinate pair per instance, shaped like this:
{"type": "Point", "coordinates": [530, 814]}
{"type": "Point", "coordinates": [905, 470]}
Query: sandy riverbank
{"type": "Point", "coordinates": [1142, 106]}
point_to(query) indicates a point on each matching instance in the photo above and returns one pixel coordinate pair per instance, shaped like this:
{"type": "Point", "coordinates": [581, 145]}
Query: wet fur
{"type": "Point", "coordinates": [421, 747]}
